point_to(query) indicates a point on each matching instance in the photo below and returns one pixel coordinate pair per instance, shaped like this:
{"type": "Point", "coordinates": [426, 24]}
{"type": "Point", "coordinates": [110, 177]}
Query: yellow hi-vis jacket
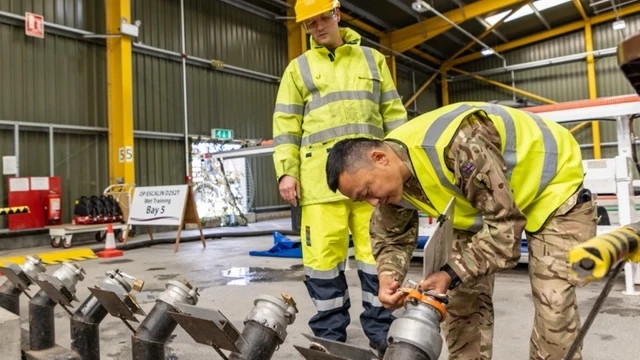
{"type": "Point", "coordinates": [325, 97]}
{"type": "Point", "coordinates": [543, 161]}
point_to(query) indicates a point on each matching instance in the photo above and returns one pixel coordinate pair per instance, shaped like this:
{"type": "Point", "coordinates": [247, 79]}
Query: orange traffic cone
{"type": "Point", "coordinates": [109, 245]}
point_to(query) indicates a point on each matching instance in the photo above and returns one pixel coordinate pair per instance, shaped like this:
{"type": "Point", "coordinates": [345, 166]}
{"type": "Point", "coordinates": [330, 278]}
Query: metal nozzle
{"type": "Point", "coordinates": [122, 279]}
{"type": "Point", "coordinates": [33, 266]}
{"type": "Point", "coordinates": [70, 273]}
{"type": "Point", "coordinates": [179, 292]}
{"type": "Point", "coordinates": [138, 285]}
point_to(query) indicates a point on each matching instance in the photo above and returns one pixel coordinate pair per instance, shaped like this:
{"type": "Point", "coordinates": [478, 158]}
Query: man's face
{"type": "Point", "coordinates": [324, 28]}
{"type": "Point", "coordinates": [377, 183]}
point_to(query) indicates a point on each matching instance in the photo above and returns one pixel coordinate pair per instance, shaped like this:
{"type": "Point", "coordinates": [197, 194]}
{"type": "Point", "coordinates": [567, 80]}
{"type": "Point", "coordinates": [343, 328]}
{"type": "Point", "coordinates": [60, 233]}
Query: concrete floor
{"type": "Point", "coordinates": [217, 272]}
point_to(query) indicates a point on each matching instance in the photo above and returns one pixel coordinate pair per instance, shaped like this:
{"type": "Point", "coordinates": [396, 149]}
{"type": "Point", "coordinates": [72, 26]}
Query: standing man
{"type": "Point", "coordinates": [338, 89]}
{"type": "Point", "coordinates": [509, 171]}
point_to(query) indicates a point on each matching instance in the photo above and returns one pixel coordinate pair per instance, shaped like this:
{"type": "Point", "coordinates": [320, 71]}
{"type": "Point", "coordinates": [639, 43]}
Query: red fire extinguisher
{"type": "Point", "coordinates": [53, 207]}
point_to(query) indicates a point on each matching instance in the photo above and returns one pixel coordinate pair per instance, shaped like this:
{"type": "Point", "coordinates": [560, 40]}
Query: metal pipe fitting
{"type": "Point", "coordinates": [179, 292]}
{"type": "Point", "coordinates": [41, 314]}
{"type": "Point", "coordinates": [405, 351]}
{"type": "Point", "coordinates": [154, 331]}
{"type": "Point", "coordinates": [33, 267]}
{"type": "Point", "coordinates": [85, 323]}
{"type": "Point", "coordinates": [70, 274]}
{"type": "Point", "coordinates": [416, 334]}
{"type": "Point", "coordinates": [266, 327]}
{"type": "Point", "coordinates": [10, 292]}
{"type": "Point", "coordinates": [10, 297]}
{"type": "Point", "coordinates": [42, 332]}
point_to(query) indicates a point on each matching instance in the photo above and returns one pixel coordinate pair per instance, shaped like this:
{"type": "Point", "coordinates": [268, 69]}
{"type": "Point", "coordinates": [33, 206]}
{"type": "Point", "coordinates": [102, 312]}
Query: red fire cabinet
{"type": "Point", "coordinates": [43, 196]}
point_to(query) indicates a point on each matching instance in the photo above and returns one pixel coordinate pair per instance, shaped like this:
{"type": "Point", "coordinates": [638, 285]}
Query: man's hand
{"type": "Point", "coordinates": [388, 293]}
{"type": "Point", "coordinates": [439, 282]}
{"type": "Point", "coordinates": [289, 188]}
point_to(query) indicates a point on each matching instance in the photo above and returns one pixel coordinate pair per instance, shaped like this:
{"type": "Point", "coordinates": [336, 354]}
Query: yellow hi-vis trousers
{"type": "Point", "coordinates": [325, 242]}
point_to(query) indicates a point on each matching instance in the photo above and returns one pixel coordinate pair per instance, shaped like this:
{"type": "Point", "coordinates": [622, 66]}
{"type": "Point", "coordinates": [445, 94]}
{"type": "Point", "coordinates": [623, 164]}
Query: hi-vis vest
{"type": "Point", "coordinates": [543, 161]}
{"type": "Point", "coordinates": [325, 97]}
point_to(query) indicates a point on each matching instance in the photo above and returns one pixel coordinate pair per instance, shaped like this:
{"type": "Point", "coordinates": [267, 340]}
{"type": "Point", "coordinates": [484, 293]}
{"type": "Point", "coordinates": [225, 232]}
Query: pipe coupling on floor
{"type": "Point", "coordinates": [420, 327]}
{"type": "Point", "coordinates": [179, 292]}
{"type": "Point", "coordinates": [274, 313]}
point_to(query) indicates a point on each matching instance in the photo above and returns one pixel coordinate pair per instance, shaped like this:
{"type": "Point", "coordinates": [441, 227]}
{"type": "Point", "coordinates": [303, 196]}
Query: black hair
{"type": "Point", "coordinates": [346, 155]}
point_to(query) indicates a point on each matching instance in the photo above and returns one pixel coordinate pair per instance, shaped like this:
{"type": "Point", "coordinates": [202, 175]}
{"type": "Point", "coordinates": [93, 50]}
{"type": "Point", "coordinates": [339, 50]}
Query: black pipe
{"type": "Point", "coordinates": [405, 351]}
{"type": "Point", "coordinates": [259, 343]}
{"type": "Point", "coordinates": [85, 325]}
{"type": "Point", "coordinates": [42, 330]}
{"type": "Point", "coordinates": [10, 297]}
{"type": "Point", "coordinates": [148, 341]}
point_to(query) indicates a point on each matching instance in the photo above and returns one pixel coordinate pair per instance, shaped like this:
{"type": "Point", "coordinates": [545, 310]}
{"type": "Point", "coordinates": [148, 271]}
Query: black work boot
{"type": "Point", "coordinates": [380, 346]}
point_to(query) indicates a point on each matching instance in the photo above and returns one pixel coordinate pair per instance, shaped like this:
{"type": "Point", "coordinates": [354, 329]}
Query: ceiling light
{"type": "Point", "coordinates": [619, 25]}
{"type": "Point", "coordinates": [487, 52]}
{"type": "Point", "coordinates": [420, 6]}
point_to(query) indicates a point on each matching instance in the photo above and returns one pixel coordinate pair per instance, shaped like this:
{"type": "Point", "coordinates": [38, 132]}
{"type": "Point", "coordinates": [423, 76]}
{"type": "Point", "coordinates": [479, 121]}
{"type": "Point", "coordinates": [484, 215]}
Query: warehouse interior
{"type": "Point", "coordinates": [107, 107]}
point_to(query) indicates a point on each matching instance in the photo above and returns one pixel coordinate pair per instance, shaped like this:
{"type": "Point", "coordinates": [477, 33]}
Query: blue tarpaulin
{"type": "Point", "coordinates": [287, 248]}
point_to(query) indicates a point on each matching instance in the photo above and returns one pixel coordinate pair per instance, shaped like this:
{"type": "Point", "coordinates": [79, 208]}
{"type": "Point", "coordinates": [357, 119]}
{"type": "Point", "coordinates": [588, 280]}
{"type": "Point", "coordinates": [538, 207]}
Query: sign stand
{"type": "Point", "coordinates": [164, 205]}
{"type": "Point", "coordinates": [189, 216]}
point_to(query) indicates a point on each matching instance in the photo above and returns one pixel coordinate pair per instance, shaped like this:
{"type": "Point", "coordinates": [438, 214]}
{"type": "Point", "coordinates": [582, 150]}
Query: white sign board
{"type": "Point", "coordinates": [19, 184]}
{"type": "Point", "coordinates": [9, 165]}
{"type": "Point", "coordinates": [39, 183]}
{"type": "Point", "coordinates": [158, 205]}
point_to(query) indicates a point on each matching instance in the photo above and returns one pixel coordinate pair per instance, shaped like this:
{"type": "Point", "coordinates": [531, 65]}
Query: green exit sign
{"type": "Point", "coordinates": [222, 134]}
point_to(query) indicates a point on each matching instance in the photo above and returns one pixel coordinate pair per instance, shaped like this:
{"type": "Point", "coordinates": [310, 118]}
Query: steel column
{"type": "Point", "coordinates": [16, 147]}
{"type": "Point", "coordinates": [296, 35]}
{"type": "Point", "coordinates": [593, 90]}
{"type": "Point", "coordinates": [187, 151]}
{"type": "Point", "coordinates": [51, 158]}
{"type": "Point", "coordinates": [445, 89]}
{"type": "Point", "coordinates": [119, 94]}
{"type": "Point", "coordinates": [391, 62]}
{"type": "Point", "coordinates": [413, 88]}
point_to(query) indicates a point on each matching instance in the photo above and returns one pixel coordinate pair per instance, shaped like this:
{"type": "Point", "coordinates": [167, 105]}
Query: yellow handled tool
{"type": "Point", "coordinates": [593, 259]}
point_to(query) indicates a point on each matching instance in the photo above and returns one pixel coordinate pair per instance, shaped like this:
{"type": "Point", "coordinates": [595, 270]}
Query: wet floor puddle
{"type": "Point", "coordinates": [241, 276]}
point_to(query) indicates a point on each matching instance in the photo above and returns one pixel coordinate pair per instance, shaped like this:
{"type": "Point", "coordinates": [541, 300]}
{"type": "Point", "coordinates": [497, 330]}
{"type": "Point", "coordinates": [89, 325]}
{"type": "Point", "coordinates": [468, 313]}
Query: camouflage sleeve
{"type": "Point", "coordinates": [480, 173]}
{"type": "Point", "coordinates": [394, 237]}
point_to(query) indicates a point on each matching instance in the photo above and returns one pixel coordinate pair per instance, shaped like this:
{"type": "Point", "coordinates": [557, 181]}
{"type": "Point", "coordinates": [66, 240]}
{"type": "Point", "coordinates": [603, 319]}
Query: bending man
{"type": "Point", "coordinates": [509, 171]}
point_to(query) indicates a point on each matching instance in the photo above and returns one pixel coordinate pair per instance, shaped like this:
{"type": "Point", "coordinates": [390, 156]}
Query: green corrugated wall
{"type": "Point", "coordinates": [61, 80]}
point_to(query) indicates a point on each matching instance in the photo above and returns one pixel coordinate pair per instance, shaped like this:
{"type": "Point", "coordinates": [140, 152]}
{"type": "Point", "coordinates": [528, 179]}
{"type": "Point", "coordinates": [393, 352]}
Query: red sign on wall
{"type": "Point", "coordinates": [34, 25]}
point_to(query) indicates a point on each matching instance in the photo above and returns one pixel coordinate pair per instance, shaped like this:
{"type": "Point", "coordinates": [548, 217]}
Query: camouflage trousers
{"type": "Point", "coordinates": [469, 323]}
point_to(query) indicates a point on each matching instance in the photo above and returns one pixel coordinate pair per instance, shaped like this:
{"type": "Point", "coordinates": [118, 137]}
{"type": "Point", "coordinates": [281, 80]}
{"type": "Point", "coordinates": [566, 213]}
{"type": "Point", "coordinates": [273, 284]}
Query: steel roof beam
{"type": "Point", "coordinates": [412, 35]}
{"type": "Point", "coordinates": [564, 29]}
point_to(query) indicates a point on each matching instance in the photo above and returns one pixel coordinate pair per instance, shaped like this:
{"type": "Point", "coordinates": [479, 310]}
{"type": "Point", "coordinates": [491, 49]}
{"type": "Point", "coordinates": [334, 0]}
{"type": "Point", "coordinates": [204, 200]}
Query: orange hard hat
{"type": "Point", "coordinates": [306, 9]}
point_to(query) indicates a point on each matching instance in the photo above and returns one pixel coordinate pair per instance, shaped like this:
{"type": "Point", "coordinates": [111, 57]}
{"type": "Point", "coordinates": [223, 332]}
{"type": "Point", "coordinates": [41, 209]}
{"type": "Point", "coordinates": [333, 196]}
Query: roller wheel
{"type": "Point", "coordinates": [100, 236]}
{"type": "Point", "coordinates": [119, 235]}
{"type": "Point", "coordinates": [55, 242]}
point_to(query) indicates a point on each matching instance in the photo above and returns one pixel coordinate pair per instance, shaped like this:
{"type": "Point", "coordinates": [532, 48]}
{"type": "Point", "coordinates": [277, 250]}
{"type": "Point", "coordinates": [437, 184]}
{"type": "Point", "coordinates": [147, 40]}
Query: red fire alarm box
{"type": "Point", "coordinates": [43, 196]}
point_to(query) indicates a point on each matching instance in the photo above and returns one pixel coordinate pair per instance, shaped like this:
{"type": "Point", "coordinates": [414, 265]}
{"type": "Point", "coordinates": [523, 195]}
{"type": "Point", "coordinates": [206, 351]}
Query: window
{"type": "Point", "coordinates": [540, 5]}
